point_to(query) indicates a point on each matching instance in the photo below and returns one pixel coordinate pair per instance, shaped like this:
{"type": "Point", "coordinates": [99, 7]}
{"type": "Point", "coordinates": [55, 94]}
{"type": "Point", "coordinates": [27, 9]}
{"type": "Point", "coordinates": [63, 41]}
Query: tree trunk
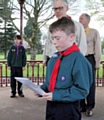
{"type": "Point", "coordinates": [33, 53]}
{"type": "Point", "coordinates": [5, 55]}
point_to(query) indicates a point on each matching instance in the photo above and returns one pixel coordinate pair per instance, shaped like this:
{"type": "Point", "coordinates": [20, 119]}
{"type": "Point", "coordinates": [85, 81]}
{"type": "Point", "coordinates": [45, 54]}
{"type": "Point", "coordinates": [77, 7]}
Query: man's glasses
{"type": "Point", "coordinates": [58, 8]}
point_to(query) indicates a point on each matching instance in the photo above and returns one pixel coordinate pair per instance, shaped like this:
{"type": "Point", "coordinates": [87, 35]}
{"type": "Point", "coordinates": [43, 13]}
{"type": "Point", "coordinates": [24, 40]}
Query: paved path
{"type": "Point", "coordinates": [32, 108]}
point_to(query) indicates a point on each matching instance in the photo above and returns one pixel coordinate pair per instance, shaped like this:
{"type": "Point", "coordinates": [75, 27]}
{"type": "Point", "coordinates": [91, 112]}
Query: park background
{"type": "Point", "coordinates": [36, 18]}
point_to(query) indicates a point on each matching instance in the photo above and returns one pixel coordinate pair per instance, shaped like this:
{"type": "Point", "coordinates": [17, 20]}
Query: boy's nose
{"type": "Point", "coordinates": [54, 41]}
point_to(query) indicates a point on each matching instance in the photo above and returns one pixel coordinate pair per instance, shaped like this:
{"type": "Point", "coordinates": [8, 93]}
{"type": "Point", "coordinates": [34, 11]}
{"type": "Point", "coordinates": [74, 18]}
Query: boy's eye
{"type": "Point", "coordinates": [57, 38]}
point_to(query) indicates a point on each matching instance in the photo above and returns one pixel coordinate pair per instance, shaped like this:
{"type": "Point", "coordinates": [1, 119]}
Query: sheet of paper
{"type": "Point", "coordinates": [31, 85]}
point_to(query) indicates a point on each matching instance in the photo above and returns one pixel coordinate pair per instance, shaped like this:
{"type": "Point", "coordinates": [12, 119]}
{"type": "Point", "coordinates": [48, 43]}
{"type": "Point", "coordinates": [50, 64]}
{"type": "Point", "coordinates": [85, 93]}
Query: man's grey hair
{"type": "Point", "coordinates": [87, 16]}
{"type": "Point", "coordinates": [65, 2]}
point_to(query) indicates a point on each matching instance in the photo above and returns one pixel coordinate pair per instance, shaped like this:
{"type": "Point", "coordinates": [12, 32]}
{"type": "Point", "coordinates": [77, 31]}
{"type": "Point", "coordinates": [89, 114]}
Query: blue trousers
{"type": "Point", "coordinates": [63, 111]}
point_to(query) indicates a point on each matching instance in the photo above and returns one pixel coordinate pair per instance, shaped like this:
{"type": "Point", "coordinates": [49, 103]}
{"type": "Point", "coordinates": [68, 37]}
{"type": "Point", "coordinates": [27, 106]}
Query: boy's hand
{"type": "Point", "coordinates": [23, 68]}
{"type": "Point", "coordinates": [37, 95]}
{"type": "Point", "coordinates": [44, 63]}
{"type": "Point", "coordinates": [47, 96]}
{"type": "Point", "coordinates": [8, 68]}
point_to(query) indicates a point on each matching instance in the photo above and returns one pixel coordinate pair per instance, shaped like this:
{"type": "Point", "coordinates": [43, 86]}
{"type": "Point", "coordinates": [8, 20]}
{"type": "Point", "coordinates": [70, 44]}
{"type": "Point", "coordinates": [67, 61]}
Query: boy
{"type": "Point", "coordinates": [16, 61]}
{"type": "Point", "coordinates": [68, 75]}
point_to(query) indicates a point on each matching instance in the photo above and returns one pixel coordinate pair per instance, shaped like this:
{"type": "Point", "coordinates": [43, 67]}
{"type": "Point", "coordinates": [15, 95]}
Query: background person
{"type": "Point", "coordinates": [60, 8]}
{"type": "Point", "coordinates": [94, 57]}
{"type": "Point", "coordinates": [16, 61]}
{"type": "Point", "coordinates": [68, 75]}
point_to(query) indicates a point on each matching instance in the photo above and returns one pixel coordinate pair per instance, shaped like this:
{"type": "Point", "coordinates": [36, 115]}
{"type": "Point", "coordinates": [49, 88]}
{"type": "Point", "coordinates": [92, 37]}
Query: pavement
{"type": "Point", "coordinates": [32, 108]}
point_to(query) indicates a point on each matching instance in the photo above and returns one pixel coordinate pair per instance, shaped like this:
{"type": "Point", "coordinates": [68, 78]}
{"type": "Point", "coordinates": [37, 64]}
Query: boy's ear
{"type": "Point", "coordinates": [72, 36]}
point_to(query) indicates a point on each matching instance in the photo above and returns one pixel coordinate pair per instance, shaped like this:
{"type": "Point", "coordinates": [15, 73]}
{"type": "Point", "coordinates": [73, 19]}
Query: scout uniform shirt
{"type": "Point", "coordinates": [74, 78]}
{"type": "Point", "coordinates": [93, 44]}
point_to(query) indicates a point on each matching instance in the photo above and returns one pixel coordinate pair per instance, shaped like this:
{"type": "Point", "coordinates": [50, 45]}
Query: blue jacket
{"type": "Point", "coordinates": [74, 78]}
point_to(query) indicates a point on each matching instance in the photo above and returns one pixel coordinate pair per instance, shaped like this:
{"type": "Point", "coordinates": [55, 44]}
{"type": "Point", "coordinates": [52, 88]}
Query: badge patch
{"type": "Point", "coordinates": [55, 55]}
{"type": "Point", "coordinates": [13, 50]}
{"type": "Point", "coordinates": [87, 42]}
{"type": "Point", "coordinates": [63, 78]}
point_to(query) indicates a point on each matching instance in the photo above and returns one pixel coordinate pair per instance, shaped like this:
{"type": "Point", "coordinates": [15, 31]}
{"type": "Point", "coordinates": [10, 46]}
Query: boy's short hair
{"type": "Point", "coordinates": [65, 24]}
{"type": "Point", "coordinates": [17, 37]}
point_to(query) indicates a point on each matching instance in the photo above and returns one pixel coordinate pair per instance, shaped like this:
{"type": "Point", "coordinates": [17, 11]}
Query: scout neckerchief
{"type": "Point", "coordinates": [17, 49]}
{"type": "Point", "coordinates": [87, 30]}
{"type": "Point", "coordinates": [68, 17]}
{"type": "Point", "coordinates": [54, 74]}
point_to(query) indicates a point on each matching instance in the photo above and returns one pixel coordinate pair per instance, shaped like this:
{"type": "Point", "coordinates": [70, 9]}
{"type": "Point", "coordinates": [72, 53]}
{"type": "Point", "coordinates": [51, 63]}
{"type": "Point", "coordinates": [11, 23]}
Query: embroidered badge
{"type": "Point", "coordinates": [63, 78]}
{"type": "Point", "coordinates": [13, 50]}
{"type": "Point", "coordinates": [55, 55]}
{"type": "Point", "coordinates": [87, 42]}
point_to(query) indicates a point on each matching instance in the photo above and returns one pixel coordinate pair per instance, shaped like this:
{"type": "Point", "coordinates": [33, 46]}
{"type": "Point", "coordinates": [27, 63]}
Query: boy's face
{"type": "Point", "coordinates": [17, 41]}
{"type": "Point", "coordinates": [61, 40]}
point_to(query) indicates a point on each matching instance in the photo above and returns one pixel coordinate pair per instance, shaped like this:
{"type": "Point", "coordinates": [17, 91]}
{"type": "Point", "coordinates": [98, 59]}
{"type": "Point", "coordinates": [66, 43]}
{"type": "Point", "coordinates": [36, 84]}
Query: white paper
{"type": "Point", "coordinates": [31, 85]}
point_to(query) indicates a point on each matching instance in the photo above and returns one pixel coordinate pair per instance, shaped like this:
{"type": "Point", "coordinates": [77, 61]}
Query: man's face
{"type": "Point", "coordinates": [84, 21]}
{"type": "Point", "coordinates": [61, 40]}
{"type": "Point", "coordinates": [60, 9]}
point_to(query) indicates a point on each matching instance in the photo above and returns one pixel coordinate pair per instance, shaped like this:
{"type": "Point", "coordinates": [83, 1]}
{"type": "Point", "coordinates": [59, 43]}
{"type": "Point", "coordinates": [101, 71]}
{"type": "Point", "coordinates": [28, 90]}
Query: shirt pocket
{"type": "Point", "coordinates": [89, 43]}
{"type": "Point", "coordinates": [64, 78]}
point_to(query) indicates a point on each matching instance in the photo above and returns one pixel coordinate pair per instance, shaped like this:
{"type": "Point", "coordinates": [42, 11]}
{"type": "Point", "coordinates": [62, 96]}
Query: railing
{"type": "Point", "coordinates": [35, 71]}
{"type": "Point", "coordinates": [100, 75]}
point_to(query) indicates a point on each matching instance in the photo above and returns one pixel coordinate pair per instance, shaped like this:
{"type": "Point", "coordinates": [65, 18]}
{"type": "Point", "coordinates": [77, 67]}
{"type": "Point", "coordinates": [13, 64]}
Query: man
{"type": "Point", "coordinates": [60, 8]}
{"type": "Point", "coordinates": [94, 56]}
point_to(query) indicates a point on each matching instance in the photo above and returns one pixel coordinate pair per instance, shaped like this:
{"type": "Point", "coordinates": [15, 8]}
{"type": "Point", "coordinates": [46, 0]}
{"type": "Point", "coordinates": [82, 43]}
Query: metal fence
{"type": "Point", "coordinates": [35, 71]}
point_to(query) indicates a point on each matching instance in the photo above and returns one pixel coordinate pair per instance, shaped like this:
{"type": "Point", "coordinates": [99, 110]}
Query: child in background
{"type": "Point", "coordinates": [16, 61]}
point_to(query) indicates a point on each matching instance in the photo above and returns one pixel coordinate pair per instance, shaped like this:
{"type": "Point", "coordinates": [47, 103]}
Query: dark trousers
{"type": "Point", "coordinates": [62, 111]}
{"type": "Point", "coordinates": [47, 59]}
{"type": "Point", "coordinates": [16, 72]}
{"type": "Point", "coordinates": [89, 102]}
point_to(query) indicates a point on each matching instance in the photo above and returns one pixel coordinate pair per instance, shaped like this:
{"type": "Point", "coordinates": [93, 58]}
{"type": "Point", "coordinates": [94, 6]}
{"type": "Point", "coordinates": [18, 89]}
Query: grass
{"type": "Point", "coordinates": [40, 57]}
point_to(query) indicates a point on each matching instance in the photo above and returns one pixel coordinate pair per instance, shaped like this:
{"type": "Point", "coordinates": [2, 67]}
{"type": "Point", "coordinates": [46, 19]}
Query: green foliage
{"type": "Point", "coordinates": [7, 30]}
{"type": "Point", "coordinates": [28, 31]}
{"type": "Point", "coordinates": [102, 45]}
{"type": "Point", "coordinates": [29, 28]}
{"type": "Point", "coordinates": [95, 12]}
{"type": "Point", "coordinates": [96, 8]}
